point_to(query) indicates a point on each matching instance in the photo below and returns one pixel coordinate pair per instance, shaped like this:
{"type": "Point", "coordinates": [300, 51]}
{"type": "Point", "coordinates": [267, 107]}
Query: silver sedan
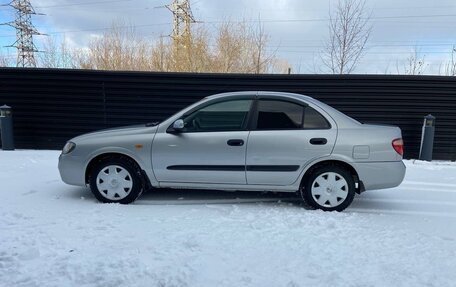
{"type": "Point", "coordinates": [261, 141]}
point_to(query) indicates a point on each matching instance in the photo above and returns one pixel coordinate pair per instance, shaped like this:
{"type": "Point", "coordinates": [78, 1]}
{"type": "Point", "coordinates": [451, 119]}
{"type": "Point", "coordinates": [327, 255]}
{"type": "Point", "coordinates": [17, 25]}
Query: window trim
{"type": "Point", "coordinates": [254, 122]}
{"type": "Point", "coordinates": [252, 116]}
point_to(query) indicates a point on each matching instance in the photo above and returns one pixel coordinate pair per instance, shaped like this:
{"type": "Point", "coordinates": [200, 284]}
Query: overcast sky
{"type": "Point", "coordinates": [398, 26]}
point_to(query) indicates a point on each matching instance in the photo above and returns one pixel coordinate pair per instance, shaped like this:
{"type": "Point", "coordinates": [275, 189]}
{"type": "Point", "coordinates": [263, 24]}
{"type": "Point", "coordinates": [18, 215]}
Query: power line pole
{"type": "Point", "coordinates": [181, 35]}
{"type": "Point", "coordinates": [24, 33]}
{"type": "Point", "coordinates": [183, 18]}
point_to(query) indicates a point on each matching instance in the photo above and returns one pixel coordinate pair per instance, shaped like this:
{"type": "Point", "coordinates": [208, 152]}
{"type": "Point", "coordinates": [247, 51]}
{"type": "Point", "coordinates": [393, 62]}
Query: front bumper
{"type": "Point", "coordinates": [380, 175]}
{"type": "Point", "coordinates": [72, 169]}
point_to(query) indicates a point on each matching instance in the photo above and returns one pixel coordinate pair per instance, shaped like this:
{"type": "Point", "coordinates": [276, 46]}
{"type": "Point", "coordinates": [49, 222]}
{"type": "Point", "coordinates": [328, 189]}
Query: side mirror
{"type": "Point", "coordinates": [178, 125]}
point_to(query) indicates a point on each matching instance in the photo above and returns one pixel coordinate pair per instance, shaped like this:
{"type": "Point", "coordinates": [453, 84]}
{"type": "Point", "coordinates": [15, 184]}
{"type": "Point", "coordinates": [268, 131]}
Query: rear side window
{"type": "Point", "coordinates": [282, 115]}
{"type": "Point", "coordinates": [279, 115]}
{"type": "Point", "coordinates": [314, 120]}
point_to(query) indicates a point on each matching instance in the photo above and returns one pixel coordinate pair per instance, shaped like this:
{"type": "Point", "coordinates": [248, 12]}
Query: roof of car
{"type": "Point", "coordinates": [340, 118]}
{"type": "Point", "coordinates": [276, 93]}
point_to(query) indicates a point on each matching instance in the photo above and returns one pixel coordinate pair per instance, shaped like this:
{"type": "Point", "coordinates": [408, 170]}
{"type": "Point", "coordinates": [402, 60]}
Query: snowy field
{"type": "Point", "coordinates": [52, 234]}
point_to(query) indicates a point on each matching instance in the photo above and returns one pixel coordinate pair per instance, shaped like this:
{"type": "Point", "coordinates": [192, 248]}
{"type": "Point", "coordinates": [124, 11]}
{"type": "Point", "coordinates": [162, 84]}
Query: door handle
{"type": "Point", "coordinates": [235, 142]}
{"type": "Point", "coordinates": [318, 141]}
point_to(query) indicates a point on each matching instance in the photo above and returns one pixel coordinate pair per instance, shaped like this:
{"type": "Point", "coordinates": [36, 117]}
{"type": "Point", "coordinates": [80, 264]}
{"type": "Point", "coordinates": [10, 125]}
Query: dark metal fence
{"type": "Point", "coordinates": [51, 105]}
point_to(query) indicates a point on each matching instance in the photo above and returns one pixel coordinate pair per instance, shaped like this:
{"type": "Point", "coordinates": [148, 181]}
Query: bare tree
{"type": "Point", "coordinates": [242, 48]}
{"type": "Point", "coordinates": [281, 66]}
{"type": "Point", "coordinates": [235, 48]}
{"type": "Point", "coordinates": [161, 53]}
{"type": "Point", "coordinates": [191, 54]}
{"type": "Point", "coordinates": [56, 55]}
{"type": "Point", "coordinates": [449, 68]}
{"type": "Point", "coordinates": [262, 60]}
{"type": "Point", "coordinates": [119, 48]}
{"type": "Point", "coordinates": [415, 64]}
{"type": "Point", "coordinates": [349, 31]}
{"type": "Point", "coordinates": [229, 53]}
{"type": "Point", "coordinates": [5, 60]}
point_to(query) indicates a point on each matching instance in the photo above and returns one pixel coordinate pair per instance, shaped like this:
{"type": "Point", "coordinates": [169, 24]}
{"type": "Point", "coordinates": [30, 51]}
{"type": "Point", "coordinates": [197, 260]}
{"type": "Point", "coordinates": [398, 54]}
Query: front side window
{"type": "Point", "coordinates": [224, 116]}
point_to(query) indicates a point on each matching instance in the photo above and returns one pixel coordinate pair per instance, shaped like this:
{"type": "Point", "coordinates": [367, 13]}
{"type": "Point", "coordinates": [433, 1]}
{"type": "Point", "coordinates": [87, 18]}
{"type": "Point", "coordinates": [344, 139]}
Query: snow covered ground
{"type": "Point", "coordinates": [52, 234]}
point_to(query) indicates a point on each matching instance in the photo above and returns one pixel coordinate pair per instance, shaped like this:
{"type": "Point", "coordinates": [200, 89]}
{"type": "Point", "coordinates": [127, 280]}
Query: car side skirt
{"type": "Point", "coordinates": [228, 187]}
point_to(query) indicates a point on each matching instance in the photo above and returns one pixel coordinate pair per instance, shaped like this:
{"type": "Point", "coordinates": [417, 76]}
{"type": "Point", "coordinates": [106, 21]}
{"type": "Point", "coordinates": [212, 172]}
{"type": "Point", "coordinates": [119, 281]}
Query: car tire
{"type": "Point", "coordinates": [329, 188]}
{"type": "Point", "coordinates": [116, 180]}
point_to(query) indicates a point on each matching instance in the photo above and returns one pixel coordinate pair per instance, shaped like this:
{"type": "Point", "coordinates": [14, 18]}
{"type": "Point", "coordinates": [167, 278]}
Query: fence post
{"type": "Point", "coordinates": [6, 121]}
{"type": "Point", "coordinates": [427, 138]}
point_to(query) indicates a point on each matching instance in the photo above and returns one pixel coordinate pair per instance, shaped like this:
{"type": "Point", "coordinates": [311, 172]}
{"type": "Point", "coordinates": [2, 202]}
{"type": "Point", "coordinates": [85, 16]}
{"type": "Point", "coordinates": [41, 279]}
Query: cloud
{"type": "Point", "coordinates": [298, 35]}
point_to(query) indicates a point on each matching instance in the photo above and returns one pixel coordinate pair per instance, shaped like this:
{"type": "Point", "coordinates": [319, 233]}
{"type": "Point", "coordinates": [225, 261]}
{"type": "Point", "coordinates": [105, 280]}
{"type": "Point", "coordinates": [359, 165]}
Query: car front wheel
{"type": "Point", "coordinates": [329, 188]}
{"type": "Point", "coordinates": [116, 180]}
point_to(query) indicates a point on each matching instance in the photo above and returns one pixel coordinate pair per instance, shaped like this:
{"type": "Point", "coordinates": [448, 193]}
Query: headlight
{"type": "Point", "coordinates": [69, 147]}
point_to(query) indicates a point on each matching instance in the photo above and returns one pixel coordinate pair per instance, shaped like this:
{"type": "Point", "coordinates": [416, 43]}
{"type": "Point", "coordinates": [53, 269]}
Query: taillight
{"type": "Point", "coordinates": [398, 145]}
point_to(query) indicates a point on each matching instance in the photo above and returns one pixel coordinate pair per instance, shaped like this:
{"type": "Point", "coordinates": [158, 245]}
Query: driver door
{"type": "Point", "coordinates": [211, 148]}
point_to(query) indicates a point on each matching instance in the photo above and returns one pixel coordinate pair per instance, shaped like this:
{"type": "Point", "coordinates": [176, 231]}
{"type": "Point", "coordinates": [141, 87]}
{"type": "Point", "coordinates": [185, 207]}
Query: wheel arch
{"type": "Point", "coordinates": [334, 162]}
{"type": "Point", "coordinates": [107, 155]}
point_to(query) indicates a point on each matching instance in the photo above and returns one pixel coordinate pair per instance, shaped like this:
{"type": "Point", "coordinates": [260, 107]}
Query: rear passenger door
{"type": "Point", "coordinates": [285, 135]}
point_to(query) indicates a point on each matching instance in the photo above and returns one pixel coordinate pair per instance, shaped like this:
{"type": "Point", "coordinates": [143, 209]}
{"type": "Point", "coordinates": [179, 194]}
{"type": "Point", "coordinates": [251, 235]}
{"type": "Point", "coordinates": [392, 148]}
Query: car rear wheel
{"type": "Point", "coordinates": [116, 180]}
{"type": "Point", "coordinates": [329, 188]}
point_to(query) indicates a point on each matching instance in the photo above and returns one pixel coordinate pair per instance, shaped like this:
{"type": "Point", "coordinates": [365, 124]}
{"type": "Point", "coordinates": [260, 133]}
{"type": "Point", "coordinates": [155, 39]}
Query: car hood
{"type": "Point", "coordinates": [120, 131]}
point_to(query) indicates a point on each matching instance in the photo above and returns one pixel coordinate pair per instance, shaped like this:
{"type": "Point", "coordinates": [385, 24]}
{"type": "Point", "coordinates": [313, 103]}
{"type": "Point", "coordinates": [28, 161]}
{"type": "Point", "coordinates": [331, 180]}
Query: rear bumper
{"type": "Point", "coordinates": [380, 175]}
{"type": "Point", "coordinates": [72, 169]}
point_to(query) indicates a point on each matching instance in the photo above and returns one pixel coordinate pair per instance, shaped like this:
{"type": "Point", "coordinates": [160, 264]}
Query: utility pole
{"type": "Point", "coordinates": [181, 35]}
{"type": "Point", "coordinates": [24, 33]}
{"type": "Point", "coordinates": [183, 18]}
